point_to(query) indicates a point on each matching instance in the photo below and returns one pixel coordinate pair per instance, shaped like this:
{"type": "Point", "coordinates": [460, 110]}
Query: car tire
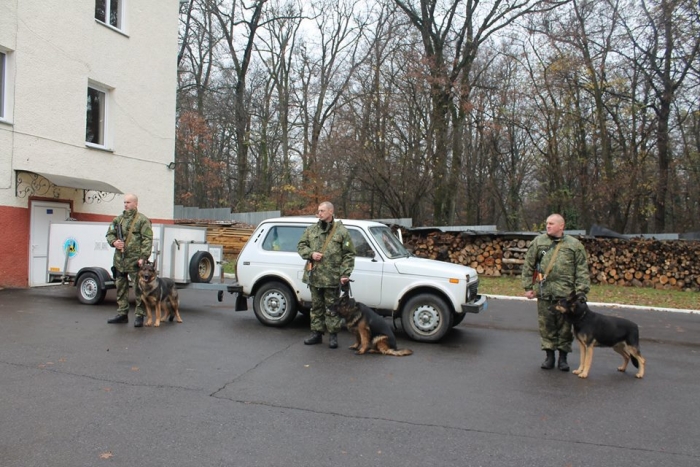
{"type": "Point", "coordinates": [426, 318]}
{"type": "Point", "coordinates": [458, 318]}
{"type": "Point", "coordinates": [274, 304]}
{"type": "Point", "coordinates": [202, 267]}
{"type": "Point", "coordinates": [91, 291]}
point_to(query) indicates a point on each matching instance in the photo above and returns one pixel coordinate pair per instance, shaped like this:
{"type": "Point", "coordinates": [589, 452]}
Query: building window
{"type": "Point", "coordinates": [109, 12]}
{"type": "Point", "coordinates": [96, 115]}
{"type": "Point", "coordinates": [6, 84]}
{"type": "Point", "coordinates": [3, 67]}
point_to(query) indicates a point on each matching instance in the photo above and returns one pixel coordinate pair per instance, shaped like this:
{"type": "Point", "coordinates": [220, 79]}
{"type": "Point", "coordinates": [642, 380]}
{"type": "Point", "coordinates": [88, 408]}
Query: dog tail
{"type": "Point", "coordinates": [383, 345]}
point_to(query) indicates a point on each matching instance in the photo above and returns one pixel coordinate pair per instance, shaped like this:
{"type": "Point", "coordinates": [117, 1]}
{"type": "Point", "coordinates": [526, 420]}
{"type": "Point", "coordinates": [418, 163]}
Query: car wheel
{"type": "Point", "coordinates": [426, 318]}
{"type": "Point", "coordinates": [274, 304]}
{"type": "Point", "coordinates": [202, 267]}
{"type": "Point", "coordinates": [90, 289]}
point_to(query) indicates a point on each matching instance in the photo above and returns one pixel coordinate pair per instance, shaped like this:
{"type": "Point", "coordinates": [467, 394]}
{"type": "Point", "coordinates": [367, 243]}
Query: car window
{"type": "Point", "coordinates": [388, 242]}
{"type": "Point", "coordinates": [283, 238]}
{"type": "Point", "coordinates": [362, 247]}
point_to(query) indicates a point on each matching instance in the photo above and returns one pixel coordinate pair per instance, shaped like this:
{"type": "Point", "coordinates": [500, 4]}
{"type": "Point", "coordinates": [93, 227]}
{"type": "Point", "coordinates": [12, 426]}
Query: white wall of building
{"type": "Point", "coordinates": [54, 49]}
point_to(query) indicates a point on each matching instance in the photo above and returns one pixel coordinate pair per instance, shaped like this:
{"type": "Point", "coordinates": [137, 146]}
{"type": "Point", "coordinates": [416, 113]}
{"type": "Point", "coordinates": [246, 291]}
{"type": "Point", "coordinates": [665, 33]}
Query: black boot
{"type": "Point", "coordinates": [333, 341]}
{"type": "Point", "coordinates": [315, 338]}
{"type": "Point", "coordinates": [563, 366]}
{"type": "Point", "coordinates": [138, 322]}
{"type": "Point", "coordinates": [548, 363]}
{"type": "Point", "coordinates": [119, 319]}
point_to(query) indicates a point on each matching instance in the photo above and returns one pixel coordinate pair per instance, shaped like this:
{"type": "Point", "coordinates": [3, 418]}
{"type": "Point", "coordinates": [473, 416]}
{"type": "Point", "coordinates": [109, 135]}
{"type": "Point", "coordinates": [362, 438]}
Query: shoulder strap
{"type": "Point", "coordinates": [131, 228]}
{"type": "Point", "coordinates": [328, 238]}
{"type": "Point", "coordinates": [550, 265]}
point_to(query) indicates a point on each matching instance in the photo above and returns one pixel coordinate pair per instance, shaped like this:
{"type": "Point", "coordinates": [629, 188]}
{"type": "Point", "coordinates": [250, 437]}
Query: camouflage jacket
{"type": "Point", "coordinates": [569, 273]}
{"type": "Point", "coordinates": [138, 244]}
{"type": "Point", "coordinates": [338, 258]}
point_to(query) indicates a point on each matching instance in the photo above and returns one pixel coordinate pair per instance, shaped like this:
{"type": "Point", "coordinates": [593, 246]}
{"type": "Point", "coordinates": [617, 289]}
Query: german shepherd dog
{"type": "Point", "coordinates": [159, 294]}
{"type": "Point", "coordinates": [593, 329]}
{"type": "Point", "coordinates": [372, 333]}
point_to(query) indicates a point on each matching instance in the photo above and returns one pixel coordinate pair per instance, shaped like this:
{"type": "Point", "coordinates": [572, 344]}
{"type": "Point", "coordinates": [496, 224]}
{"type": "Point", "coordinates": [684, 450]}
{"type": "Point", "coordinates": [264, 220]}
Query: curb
{"type": "Point", "coordinates": [609, 305]}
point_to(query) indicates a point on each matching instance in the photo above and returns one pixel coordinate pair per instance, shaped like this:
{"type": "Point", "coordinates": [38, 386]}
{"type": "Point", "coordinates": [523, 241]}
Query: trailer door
{"type": "Point", "coordinates": [42, 214]}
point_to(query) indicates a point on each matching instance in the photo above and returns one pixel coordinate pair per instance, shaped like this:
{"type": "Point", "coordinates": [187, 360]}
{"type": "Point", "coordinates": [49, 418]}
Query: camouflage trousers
{"type": "Point", "coordinates": [555, 332]}
{"type": "Point", "coordinates": [122, 283]}
{"type": "Point", "coordinates": [322, 318]}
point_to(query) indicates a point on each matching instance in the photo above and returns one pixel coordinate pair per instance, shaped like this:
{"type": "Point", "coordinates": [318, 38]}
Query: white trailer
{"type": "Point", "coordinates": [78, 253]}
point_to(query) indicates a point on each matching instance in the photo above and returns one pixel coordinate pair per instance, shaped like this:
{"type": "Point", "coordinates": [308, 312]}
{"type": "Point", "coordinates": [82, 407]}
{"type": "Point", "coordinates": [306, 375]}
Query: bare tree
{"type": "Point", "coordinates": [452, 31]}
{"type": "Point", "coordinates": [239, 25]}
{"type": "Point", "coordinates": [326, 67]}
{"type": "Point", "coordinates": [668, 38]}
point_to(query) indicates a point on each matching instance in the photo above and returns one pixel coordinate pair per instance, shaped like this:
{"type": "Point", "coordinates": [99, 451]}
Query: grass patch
{"type": "Point", "coordinates": [689, 300]}
{"type": "Point", "coordinates": [510, 286]}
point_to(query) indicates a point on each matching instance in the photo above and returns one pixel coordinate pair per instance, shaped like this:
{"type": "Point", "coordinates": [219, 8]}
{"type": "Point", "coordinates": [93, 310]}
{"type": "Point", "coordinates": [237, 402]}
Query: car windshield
{"type": "Point", "coordinates": [388, 242]}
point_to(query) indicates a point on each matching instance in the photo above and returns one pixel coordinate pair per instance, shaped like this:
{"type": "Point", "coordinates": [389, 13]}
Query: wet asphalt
{"type": "Point", "coordinates": [223, 390]}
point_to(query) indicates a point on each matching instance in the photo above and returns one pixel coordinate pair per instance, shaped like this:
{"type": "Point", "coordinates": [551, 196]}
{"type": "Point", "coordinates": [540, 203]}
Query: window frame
{"type": "Point", "coordinates": [120, 16]}
{"type": "Point", "coordinates": [105, 116]}
{"type": "Point", "coordinates": [6, 84]}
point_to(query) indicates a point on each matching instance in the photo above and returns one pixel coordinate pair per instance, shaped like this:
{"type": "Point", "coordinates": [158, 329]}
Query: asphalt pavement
{"type": "Point", "coordinates": [223, 390]}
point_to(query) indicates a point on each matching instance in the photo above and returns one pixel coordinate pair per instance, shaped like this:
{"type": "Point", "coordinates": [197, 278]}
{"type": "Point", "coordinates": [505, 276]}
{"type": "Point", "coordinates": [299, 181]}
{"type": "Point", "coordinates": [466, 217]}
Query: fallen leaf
{"type": "Point", "coordinates": [134, 368]}
{"type": "Point", "coordinates": [106, 455]}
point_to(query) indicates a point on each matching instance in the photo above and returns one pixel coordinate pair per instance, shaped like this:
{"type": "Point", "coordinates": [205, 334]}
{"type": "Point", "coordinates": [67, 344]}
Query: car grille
{"type": "Point", "coordinates": [472, 291]}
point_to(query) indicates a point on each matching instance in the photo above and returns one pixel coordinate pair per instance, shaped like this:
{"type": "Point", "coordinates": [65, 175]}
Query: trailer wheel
{"type": "Point", "coordinates": [274, 304]}
{"type": "Point", "coordinates": [90, 289]}
{"type": "Point", "coordinates": [202, 267]}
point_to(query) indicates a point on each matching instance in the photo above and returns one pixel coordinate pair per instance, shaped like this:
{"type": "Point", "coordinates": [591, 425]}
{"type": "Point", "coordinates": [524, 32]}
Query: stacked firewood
{"type": "Point", "coordinates": [232, 236]}
{"type": "Point", "coordinates": [644, 262]}
{"type": "Point", "coordinates": [633, 262]}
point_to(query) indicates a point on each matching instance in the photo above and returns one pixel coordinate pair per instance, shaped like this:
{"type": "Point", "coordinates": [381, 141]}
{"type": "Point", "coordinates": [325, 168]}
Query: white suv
{"type": "Point", "coordinates": [428, 296]}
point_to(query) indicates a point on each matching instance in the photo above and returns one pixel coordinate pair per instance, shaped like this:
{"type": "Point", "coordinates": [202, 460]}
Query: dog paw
{"type": "Point", "coordinates": [179, 320]}
{"type": "Point", "coordinates": [148, 323]}
{"type": "Point", "coordinates": [577, 372]}
{"type": "Point", "coordinates": [639, 376]}
{"type": "Point", "coordinates": [583, 376]}
{"type": "Point", "coordinates": [621, 368]}
{"type": "Point", "coordinates": [157, 324]}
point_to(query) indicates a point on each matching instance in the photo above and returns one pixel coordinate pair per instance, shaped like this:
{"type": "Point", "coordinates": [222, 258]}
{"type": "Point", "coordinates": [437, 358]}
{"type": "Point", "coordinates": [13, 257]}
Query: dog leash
{"type": "Point", "coordinates": [346, 287]}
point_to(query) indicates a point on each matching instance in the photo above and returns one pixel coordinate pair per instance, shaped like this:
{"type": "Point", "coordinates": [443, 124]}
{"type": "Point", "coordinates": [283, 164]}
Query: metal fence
{"type": "Point", "coordinates": [223, 214]}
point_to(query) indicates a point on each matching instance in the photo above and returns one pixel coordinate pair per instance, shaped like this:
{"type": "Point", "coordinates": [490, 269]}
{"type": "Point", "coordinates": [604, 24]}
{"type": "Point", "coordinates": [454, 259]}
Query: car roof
{"type": "Point", "coordinates": [312, 220]}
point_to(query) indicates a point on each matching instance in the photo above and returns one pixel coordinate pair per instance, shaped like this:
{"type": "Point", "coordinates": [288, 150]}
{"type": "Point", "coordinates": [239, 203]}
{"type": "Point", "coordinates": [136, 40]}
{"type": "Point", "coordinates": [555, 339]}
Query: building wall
{"type": "Point", "coordinates": [14, 259]}
{"type": "Point", "coordinates": [54, 49]}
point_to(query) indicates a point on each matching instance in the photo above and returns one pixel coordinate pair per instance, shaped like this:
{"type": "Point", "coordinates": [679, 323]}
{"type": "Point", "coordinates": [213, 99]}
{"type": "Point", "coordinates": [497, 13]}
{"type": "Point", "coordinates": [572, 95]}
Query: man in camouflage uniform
{"type": "Point", "coordinates": [332, 266]}
{"type": "Point", "coordinates": [130, 252]}
{"type": "Point", "coordinates": [550, 282]}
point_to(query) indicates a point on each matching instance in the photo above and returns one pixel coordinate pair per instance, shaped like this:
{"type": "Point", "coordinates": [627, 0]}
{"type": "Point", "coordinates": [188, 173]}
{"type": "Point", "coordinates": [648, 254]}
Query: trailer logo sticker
{"type": "Point", "coordinates": [70, 246]}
